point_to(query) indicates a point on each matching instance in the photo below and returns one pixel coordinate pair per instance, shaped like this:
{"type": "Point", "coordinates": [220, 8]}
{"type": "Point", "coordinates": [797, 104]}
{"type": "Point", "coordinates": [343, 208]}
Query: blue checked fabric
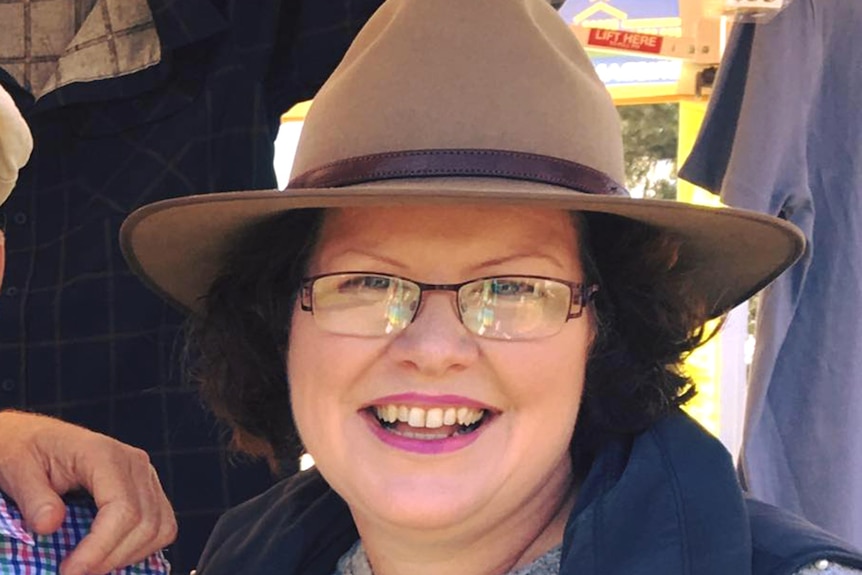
{"type": "Point", "coordinates": [23, 552]}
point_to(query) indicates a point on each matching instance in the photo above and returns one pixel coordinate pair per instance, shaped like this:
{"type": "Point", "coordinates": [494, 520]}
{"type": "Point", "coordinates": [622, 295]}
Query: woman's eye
{"type": "Point", "coordinates": [512, 287]}
{"type": "Point", "coordinates": [365, 282]}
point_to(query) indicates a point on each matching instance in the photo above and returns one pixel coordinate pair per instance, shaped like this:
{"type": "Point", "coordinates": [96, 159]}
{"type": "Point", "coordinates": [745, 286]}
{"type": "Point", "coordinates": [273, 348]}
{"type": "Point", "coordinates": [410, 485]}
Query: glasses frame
{"type": "Point", "coordinates": [581, 293]}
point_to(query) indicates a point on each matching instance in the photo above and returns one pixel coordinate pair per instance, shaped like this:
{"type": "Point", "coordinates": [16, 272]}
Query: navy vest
{"type": "Point", "coordinates": [665, 502]}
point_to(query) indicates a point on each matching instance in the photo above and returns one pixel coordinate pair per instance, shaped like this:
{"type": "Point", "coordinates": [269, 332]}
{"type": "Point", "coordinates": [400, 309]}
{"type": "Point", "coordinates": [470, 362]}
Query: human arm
{"type": "Point", "coordinates": [41, 457]}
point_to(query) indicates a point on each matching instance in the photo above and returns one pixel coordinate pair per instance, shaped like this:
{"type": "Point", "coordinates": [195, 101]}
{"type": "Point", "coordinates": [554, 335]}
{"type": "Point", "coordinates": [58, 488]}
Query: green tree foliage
{"type": "Point", "coordinates": [650, 135]}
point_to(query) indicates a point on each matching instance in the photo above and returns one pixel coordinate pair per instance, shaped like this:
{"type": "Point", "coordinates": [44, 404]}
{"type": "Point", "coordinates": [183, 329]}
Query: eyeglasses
{"type": "Point", "coordinates": [500, 307]}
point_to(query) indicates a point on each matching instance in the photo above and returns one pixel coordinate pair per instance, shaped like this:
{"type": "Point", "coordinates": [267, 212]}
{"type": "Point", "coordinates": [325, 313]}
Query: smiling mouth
{"type": "Point", "coordinates": [429, 424]}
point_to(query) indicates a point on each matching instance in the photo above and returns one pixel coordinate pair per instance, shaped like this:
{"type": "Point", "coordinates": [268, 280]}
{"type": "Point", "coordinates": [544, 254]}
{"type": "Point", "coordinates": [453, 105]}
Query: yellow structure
{"type": "Point", "coordinates": [297, 112]}
{"type": "Point", "coordinates": [704, 365]}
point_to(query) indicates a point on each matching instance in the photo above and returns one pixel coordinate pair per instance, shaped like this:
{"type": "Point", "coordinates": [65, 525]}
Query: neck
{"type": "Point", "coordinates": [491, 547]}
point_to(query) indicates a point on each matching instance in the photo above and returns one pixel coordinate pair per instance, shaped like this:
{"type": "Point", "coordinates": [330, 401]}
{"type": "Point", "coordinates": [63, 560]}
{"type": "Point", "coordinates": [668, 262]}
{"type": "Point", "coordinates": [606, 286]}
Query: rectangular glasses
{"type": "Point", "coordinates": [499, 307]}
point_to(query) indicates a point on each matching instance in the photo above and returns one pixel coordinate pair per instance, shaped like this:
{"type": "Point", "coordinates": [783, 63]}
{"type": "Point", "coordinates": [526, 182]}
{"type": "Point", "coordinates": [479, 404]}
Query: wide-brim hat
{"type": "Point", "coordinates": [481, 102]}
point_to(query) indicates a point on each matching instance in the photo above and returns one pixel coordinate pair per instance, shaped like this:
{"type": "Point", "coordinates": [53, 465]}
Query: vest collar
{"type": "Point", "coordinates": [667, 501]}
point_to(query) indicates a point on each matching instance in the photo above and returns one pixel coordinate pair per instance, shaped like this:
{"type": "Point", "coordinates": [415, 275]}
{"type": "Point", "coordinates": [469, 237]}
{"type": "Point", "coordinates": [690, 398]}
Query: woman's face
{"type": "Point", "coordinates": [529, 391]}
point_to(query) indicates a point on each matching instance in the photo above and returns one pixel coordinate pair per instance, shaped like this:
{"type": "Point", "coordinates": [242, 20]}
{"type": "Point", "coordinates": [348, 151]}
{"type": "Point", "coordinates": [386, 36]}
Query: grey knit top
{"type": "Point", "coordinates": [355, 562]}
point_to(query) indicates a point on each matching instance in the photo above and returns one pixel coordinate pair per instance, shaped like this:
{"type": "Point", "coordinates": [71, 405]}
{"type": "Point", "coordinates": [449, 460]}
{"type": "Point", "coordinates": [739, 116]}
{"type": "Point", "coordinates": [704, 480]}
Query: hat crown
{"type": "Point", "coordinates": [487, 74]}
{"type": "Point", "coordinates": [505, 83]}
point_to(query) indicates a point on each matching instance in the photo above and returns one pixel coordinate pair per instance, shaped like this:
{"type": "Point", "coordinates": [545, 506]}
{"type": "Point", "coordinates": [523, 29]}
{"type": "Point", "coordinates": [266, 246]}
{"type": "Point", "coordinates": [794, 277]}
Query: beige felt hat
{"type": "Point", "coordinates": [459, 101]}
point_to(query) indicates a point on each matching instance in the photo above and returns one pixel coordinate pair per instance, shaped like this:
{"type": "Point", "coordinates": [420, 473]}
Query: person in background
{"type": "Point", "coordinates": [42, 544]}
{"type": "Point", "coordinates": [130, 101]}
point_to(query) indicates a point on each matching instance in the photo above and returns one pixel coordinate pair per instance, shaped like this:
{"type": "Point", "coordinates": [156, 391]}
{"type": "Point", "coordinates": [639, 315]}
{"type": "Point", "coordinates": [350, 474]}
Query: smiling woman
{"type": "Point", "coordinates": [526, 395]}
{"type": "Point", "coordinates": [469, 324]}
{"type": "Point", "coordinates": [499, 413]}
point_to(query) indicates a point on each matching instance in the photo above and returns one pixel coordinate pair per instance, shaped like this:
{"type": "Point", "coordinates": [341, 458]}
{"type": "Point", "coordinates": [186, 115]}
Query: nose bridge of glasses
{"type": "Point", "coordinates": [426, 290]}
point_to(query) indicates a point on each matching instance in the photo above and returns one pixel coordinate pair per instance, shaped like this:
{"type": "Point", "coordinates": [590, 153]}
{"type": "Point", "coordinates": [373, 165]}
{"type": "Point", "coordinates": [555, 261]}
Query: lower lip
{"type": "Point", "coordinates": [424, 446]}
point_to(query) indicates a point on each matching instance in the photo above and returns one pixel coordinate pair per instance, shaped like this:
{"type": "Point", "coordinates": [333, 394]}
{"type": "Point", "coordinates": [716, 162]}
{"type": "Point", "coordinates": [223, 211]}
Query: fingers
{"type": "Point", "coordinates": [24, 475]}
{"type": "Point", "coordinates": [111, 542]}
{"type": "Point", "coordinates": [101, 551]}
{"type": "Point", "coordinates": [42, 456]}
{"type": "Point", "coordinates": [42, 508]}
{"type": "Point", "coordinates": [46, 513]}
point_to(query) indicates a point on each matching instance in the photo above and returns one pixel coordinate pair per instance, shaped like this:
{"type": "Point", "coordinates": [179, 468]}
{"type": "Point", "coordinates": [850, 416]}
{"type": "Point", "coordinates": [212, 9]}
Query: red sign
{"type": "Point", "coordinates": [625, 40]}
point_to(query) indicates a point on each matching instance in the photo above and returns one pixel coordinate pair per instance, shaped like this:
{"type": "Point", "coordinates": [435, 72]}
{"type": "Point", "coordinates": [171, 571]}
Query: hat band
{"type": "Point", "coordinates": [460, 163]}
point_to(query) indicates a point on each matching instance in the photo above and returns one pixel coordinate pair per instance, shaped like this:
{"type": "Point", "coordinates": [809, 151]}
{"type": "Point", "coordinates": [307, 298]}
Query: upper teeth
{"type": "Point", "coordinates": [430, 418]}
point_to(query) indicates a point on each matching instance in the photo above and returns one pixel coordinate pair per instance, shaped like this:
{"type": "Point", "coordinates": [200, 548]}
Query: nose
{"type": "Point", "coordinates": [436, 342]}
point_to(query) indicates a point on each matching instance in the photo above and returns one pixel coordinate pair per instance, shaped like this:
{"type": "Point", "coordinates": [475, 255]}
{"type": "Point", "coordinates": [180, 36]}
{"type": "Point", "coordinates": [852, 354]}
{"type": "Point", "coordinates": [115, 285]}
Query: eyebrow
{"type": "Point", "coordinates": [364, 253]}
{"type": "Point", "coordinates": [519, 256]}
{"type": "Point", "coordinates": [484, 264]}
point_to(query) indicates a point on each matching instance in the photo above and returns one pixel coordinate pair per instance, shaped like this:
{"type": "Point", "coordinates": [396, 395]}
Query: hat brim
{"type": "Point", "coordinates": [177, 245]}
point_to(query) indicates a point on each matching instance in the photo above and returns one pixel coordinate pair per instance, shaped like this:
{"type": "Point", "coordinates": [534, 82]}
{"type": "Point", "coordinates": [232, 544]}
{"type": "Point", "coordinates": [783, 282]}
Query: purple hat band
{"type": "Point", "coordinates": [460, 163]}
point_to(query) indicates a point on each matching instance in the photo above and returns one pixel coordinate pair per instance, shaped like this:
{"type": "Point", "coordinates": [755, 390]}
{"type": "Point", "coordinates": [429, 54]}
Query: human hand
{"type": "Point", "coordinates": [41, 457]}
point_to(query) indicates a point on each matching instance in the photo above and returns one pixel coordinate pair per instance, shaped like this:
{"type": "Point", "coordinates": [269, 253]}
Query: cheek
{"type": "Point", "coordinates": [302, 364]}
{"type": "Point", "coordinates": [545, 376]}
{"type": "Point", "coordinates": [323, 371]}
{"type": "Point", "coordinates": [560, 373]}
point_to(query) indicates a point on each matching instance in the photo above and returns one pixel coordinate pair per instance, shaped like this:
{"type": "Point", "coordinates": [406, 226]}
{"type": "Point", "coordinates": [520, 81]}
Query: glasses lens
{"type": "Point", "coordinates": [514, 307]}
{"type": "Point", "coordinates": [364, 304]}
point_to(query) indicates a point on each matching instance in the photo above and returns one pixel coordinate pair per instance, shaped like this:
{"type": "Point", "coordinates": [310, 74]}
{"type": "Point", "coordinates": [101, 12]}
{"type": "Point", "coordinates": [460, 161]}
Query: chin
{"type": "Point", "coordinates": [419, 503]}
{"type": "Point", "coordinates": [426, 514]}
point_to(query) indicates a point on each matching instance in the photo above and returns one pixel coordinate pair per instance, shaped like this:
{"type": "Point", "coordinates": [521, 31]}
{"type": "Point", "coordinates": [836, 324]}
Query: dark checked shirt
{"type": "Point", "coordinates": [185, 99]}
{"type": "Point", "coordinates": [23, 552]}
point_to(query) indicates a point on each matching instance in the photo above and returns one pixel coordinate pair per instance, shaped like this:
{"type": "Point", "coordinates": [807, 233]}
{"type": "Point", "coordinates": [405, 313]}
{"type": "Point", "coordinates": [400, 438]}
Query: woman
{"type": "Point", "coordinates": [470, 325]}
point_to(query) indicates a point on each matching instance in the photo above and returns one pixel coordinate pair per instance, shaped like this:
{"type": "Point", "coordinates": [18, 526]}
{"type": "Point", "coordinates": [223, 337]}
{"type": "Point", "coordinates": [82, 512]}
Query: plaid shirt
{"type": "Point", "coordinates": [46, 46]}
{"type": "Point", "coordinates": [23, 552]}
{"type": "Point", "coordinates": [80, 337]}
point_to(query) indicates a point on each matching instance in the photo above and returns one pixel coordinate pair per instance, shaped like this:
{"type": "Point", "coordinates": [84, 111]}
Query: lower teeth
{"type": "Point", "coordinates": [425, 436]}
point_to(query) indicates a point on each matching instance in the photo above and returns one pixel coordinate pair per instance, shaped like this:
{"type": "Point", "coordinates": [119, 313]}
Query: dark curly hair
{"type": "Point", "coordinates": [646, 317]}
{"type": "Point", "coordinates": [648, 320]}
